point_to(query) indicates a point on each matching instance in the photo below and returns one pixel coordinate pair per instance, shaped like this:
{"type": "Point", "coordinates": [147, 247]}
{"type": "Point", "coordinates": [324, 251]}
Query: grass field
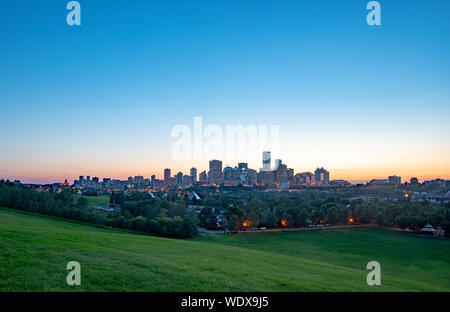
{"type": "Point", "coordinates": [95, 200]}
{"type": "Point", "coordinates": [34, 251]}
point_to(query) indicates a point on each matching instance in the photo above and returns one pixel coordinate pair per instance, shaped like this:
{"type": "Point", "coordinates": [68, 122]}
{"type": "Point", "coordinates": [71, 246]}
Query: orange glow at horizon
{"type": "Point", "coordinates": [40, 171]}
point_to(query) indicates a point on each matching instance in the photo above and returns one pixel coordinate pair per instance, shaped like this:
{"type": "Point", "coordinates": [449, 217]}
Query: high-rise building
{"type": "Point", "coordinates": [266, 178]}
{"type": "Point", "coordinates": [230, 175]}
{"type": "Point", "coordinates": [290, 174]}
{"type": "Point", "coordinates": [242, 166]}
{"type": "Point", "coordinates": [281, 172]}
{"type": "Point", "coordinates": [278, 162]}
{"type": "Point", "coordinates": [202, 177]}
{"type": "Point", "coordinates": [187, 180]}
{"type": "Point", "coordinates": [304, 178]}
{"type": "Point", "coordinates": [322, 176]}
{"type": "Point", "coordinates": [179, 178]}
{"type": "Point", "coordinates": [414, 181]}
{"type": "Point", "coordinates": [252, 177]}
{"type": "Point", "coordinates": [394, 180]}
{"type": "Point", "coordinates": [266, 161]}
{"type": "Point", "coordinates": [166, 175]}
{"type": "Point", "coordinates": [194, 175]}
{"type": "Point", "coordinates": [215, 175]}
{"type": "Point", "coordinates": [95, 180]}
{"type": "Point", "coordinates": [248, 176]}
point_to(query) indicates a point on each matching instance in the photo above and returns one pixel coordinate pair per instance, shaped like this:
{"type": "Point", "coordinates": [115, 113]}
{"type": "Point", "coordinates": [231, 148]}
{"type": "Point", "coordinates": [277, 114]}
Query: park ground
{"type": "Point", "coordinates": [35, 249]}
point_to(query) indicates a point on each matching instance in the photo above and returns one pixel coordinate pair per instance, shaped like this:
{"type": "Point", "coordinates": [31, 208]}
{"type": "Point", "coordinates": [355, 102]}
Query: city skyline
{"type": "Point", "coordinates": [173, 172]}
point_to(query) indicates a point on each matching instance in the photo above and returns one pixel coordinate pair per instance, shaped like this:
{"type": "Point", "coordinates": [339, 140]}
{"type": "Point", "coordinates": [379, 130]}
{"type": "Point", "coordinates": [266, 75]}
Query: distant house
{"type": "Point", "coordinates": [196, 209]}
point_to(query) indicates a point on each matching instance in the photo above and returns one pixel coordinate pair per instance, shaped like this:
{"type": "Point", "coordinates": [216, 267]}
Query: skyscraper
{"type": "Point", "coordinates": [242, 166]}
{"type": "Point", "coordinates": [215, 175]}
{"type": "Point", "coordinates": [281, 172]}
{"type": "Point", "coordinates": [322, 176]}
{"type": "Point", "coordinates": [194, 175]}
{"type": "Point", "coordinates": [202, 177]}
{"type": "Point", "coordinates": [266, 161]}
{"type": "Point", "coordinates": [278, 162]}
{"type": "Point", "coordinates": [180, 178]}
{"type": "Point", "coordinates": [166, 175]}
{"type": "Point", "coordinates": [395, 180]}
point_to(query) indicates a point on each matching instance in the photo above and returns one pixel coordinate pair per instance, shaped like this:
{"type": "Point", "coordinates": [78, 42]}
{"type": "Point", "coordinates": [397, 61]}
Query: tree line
{"type": "Point", "coordinates": [157, 216]}
{"type": "Point", "coordinates": [302, 209]}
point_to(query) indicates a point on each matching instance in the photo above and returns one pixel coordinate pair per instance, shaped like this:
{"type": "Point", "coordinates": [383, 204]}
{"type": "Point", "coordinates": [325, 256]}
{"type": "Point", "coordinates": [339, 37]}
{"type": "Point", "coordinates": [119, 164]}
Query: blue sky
{"type": "Point", "coordinates": [102, 98]}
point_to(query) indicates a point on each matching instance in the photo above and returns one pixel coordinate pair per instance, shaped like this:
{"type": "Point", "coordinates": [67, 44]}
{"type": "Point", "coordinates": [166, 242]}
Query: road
{"type": "Point", "coordinates": [212, 232]}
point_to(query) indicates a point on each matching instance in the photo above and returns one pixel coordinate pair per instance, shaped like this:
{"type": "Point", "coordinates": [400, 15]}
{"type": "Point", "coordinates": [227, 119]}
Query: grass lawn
{"type": "Point", "coordinates": [34, 251]}
{"type": "Point", "coordinates": [95, 200]}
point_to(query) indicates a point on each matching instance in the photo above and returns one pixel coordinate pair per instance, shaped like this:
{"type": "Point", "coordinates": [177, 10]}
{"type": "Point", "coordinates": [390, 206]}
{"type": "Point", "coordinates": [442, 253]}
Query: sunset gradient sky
{"type": "Point", "coordinates": [101, 99]}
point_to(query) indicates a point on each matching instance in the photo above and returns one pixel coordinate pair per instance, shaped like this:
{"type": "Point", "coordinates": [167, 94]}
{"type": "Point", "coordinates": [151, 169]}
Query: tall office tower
{"type": "Point", "coordinates": [322, 176]}
{"type": "Point", "coordinates": [187, 180]}
{"type": "Point", "coordinates": [179, 178]}
{"type": "Point", "coordinates": [166, 176]}
{"type": "Point", "coordinates": [252, 177]}
{"type": "Point", "coordinates": [194, 175]}
{"type": "Point", "coordinates": [202, 177]}
{"type": "Point", "coordinates": [290, 175]}
{"type": "Point", "coordinates": [153, 178]}
{"type": "Point", "coordinates": [81, 179]}
{"type": "Point", "coordinates": [215, 175]}
{"type": "Point", "coordinates": [394, 180]}
{"type": "Point", "coordinates": [278, 162]}
{"type": "Point", "coordinates": [266, 161]}
{"type": "Point", "coordinates": [230, 175]}
{"type": "Point", "coordinates": [95, 180]}
{"type": "Point", "coordinates": [88, 180]}
{"type": "Point", "coordinates": [281, 172]}
{"type": "Point", "coordinates": [139, 179]}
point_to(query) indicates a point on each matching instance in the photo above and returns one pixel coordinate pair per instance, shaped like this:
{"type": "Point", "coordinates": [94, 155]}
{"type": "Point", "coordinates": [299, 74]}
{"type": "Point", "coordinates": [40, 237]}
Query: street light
{"type": "Point", "coordinates": [284, 223]}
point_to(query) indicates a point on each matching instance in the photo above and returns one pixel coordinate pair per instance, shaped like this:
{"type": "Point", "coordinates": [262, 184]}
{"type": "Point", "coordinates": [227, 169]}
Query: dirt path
{"type": "Point", "coordinates": [310, 229]}
{"type": "Point", "coordinates": [212, 232]}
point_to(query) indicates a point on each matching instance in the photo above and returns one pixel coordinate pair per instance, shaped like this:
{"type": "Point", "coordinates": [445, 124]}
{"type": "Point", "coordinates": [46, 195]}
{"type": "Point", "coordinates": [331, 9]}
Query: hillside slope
{"type": "Point", "coordinates": [34, 251]}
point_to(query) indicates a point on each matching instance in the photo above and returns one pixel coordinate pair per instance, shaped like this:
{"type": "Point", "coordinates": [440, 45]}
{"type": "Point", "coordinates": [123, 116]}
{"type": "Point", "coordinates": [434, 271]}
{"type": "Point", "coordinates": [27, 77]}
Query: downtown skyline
{"type": "Point", "coordinates": [336, 174]}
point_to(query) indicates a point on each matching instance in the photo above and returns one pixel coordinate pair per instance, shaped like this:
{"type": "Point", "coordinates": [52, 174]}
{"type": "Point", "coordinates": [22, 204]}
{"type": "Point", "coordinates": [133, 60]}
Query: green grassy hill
{"type": "Point", "coordinates": [34, 251]}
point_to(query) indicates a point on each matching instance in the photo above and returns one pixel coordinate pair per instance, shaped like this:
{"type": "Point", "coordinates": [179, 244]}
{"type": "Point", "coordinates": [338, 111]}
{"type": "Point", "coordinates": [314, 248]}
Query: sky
{"type": "Point", "coordinates": [102, 99]}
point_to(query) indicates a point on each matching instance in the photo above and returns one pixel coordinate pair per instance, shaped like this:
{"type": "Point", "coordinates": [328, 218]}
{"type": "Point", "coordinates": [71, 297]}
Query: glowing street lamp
{"type": "Point", "coordinates": [351, 220]}
{"type": "Point", "coordinates": [284, 223]}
